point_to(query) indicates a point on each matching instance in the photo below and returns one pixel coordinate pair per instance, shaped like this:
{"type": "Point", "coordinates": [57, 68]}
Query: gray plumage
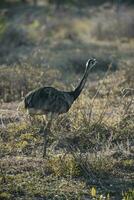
{"type": "Point", "coordinates": [50, 100]}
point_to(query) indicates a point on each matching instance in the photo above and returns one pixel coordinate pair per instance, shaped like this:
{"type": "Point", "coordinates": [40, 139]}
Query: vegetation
{"type": "Point", "coordinates": [90, 149]}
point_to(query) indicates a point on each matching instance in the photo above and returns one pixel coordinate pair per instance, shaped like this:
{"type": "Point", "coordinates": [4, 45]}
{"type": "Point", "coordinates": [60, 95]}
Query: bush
{"type": "Point", "coordinates": [16, 82]}
{"type": "Point", "coordinates": [15, 37]}
{"type": "Point", "coordinates": [111, 25]}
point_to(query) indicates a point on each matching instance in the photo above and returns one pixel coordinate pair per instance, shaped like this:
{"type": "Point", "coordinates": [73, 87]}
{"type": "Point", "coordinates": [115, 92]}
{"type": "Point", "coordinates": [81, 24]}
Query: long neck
{"type": "Point", "coordinates": [81, 85]}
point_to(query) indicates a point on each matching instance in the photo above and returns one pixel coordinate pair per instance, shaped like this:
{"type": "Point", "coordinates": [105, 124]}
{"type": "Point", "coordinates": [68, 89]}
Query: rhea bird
{"type": "Point", "coordinates": [52, 102]}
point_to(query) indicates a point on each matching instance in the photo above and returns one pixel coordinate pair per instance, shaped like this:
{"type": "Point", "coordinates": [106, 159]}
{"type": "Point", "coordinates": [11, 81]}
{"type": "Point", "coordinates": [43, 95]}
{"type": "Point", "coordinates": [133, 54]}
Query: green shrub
{"type": "Point", "coordinates": [5, 196]}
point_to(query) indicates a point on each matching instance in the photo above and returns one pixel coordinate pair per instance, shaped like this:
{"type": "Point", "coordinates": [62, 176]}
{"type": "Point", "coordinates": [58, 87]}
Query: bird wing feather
{"type": "Point", "coordinates": [49, 99]}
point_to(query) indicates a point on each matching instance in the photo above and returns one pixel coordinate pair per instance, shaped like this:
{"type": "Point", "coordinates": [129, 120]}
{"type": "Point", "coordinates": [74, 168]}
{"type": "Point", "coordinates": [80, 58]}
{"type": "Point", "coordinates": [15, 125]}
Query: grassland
{"type": "Point", "coordinates": [90, 150]}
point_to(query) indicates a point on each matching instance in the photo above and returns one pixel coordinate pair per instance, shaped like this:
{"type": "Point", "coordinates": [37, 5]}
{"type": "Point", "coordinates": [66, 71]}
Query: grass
{"type": "Point", "coordinates": [98, 152]}
{"type": "Point", "coordinates": [90, 150]}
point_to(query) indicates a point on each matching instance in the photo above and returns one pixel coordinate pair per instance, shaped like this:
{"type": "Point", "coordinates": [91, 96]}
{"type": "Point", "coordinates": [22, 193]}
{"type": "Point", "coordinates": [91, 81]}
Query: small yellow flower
{"type": "Point", "coordinates": [93, 192]}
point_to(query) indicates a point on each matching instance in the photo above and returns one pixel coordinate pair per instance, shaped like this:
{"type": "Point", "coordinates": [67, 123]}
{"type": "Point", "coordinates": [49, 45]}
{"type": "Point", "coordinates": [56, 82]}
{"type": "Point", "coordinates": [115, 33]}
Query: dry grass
{"type": "Point", "coordinates": [93, 142]}
{"type": "Point", "coordinates": [91, 148]}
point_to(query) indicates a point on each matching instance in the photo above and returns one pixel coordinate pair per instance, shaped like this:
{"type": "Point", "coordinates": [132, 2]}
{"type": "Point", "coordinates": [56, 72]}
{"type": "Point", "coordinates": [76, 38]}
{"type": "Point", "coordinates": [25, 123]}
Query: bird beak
{"type": "Point", "coordinates": [95, 61]}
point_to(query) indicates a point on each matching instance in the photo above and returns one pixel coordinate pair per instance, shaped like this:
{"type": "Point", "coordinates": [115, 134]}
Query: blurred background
{"type": "Point", "coordinates": [56, 37]}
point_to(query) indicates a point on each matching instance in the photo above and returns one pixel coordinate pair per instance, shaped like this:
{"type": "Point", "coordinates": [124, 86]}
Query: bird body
{"type": "Point", "coordinates": [50, 100]}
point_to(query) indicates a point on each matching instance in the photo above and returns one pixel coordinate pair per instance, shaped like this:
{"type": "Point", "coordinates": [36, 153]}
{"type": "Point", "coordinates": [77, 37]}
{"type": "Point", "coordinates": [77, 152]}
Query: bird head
{"type": "Point", "coordinates": [90, 63]}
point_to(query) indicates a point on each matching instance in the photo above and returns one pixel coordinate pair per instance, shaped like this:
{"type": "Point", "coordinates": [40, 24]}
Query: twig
{"type": "Point", "coordinates": [2, 123]}
{"type": "Point", "coordinates": [98, 89]}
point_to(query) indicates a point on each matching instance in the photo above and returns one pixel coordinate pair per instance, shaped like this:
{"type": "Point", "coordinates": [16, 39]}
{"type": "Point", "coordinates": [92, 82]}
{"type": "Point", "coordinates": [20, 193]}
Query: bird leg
{"type": "Point", "coordinates": [46, 132]}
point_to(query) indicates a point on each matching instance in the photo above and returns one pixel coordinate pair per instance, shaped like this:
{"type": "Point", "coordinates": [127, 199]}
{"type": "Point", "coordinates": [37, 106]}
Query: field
{"type": "Point", "coordinates": [90, 154]}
